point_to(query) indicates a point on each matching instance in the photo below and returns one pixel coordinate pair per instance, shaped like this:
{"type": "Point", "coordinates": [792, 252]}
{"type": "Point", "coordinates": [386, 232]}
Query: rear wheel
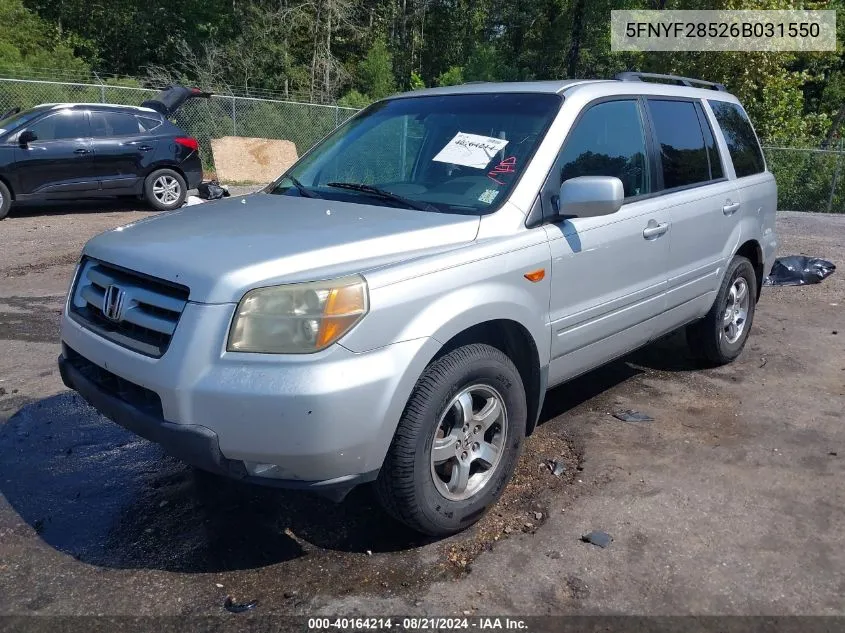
{"type": "Point", "coordinates": [5, 200]}
{"type": "Point", "coordinates": [719, 337]}
{"type": "Point", "coordinates": [458, 442]}
{"type": "Point", "coordinates": [165, 190]}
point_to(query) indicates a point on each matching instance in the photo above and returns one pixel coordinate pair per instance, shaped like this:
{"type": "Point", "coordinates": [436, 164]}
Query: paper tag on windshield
{"type": "Point", "coordinates": [470, 150]}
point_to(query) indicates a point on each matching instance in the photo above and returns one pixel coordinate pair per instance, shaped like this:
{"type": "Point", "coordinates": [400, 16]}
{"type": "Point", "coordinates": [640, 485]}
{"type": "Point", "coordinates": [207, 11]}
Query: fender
{"type": "Point", "coordinates": [443, 303]}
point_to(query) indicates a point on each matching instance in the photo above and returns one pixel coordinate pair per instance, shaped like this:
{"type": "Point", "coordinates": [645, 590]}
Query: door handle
{"type": "Point", "coordinates": [654, 229]}
{"type": "Point", "coordinates": [81, 150]}
{"type": "Point", "coordinates": [730, 208]}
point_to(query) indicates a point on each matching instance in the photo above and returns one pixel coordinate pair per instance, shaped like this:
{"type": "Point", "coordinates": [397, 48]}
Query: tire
{"type": "Point", "coordinates": [161, 185]}
{"type": "Point", "coordinates": [406, 485]}
{"type": "Point", "coordinates": [711, 339]}
{"type": "Point", "coordinates": [5, 200]}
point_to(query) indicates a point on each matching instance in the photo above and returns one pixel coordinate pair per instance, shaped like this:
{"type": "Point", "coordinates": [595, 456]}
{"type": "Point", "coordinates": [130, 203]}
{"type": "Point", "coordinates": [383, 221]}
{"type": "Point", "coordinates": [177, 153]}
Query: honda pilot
{"type": "Point", "coordinates": [395, 306]}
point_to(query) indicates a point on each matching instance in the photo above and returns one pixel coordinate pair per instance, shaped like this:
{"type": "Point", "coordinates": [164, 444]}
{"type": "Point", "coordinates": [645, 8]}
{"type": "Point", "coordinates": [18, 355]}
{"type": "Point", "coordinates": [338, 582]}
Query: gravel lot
{"type": "Point", "coordinates": [731, 501]}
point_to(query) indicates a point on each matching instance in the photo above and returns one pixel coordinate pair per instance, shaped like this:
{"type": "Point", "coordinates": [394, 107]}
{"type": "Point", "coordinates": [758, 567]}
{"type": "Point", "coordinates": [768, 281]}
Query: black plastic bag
{"type": "Point", "coordinates": [798, 270]}
{"type": "Point", "coordinates": [211, 190]}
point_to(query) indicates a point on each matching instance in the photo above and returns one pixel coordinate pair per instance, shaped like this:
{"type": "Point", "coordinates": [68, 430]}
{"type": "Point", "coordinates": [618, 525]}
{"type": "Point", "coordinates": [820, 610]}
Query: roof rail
{"type": "Point", "coordinates": [686, 81]}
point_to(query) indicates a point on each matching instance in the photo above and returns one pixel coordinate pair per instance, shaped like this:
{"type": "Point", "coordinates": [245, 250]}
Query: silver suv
{"type": "Point", "coordinates": [395, 306]}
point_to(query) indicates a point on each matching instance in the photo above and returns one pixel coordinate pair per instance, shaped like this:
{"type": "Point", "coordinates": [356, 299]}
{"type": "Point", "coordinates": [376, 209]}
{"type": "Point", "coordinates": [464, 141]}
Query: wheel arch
{"type": "Point", "coordinates": [753, 252]}
{"type": "Point", "coordinates": [166, 165]}
{"type": "Point", "coordinates": [515, 341]}
{"type": "Point", "coordinates": [8, 184]}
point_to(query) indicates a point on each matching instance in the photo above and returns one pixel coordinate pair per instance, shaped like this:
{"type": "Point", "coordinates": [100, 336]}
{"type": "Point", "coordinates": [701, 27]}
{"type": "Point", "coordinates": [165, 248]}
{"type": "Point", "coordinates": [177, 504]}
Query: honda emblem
{"type": "Point", "coordinates": [113, 302]}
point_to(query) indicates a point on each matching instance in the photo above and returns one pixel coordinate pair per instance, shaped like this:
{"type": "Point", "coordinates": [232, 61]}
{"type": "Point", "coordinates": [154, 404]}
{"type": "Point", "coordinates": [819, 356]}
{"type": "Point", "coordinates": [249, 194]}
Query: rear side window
{"type": "Point", "coordinates": [739, 135]}
{"type": "Point", "coordinates": [608, 140]}
{"type": "Point", "coordinates": [683, 152]}
{"type": "Point", "coordinates": [105, 124]}
{"type": "Point", "coordinates": [149, 123]}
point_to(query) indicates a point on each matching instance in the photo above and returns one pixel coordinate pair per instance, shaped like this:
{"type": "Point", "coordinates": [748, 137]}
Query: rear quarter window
{"type": "Point", "coordinates": [149, 123]}
{"type": "Point", "coordinates": [742, 143]}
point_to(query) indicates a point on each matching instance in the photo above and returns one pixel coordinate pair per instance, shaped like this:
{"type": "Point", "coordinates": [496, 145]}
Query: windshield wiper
{"type": "Point", "coordinates": [384, 193]}
{"type": "Point", "coordinates": [304, 191]}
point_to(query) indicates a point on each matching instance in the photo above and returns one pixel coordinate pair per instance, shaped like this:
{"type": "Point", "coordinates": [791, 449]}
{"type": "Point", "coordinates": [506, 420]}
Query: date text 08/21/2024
{"type": "Point", "coordinates": [416, 623]}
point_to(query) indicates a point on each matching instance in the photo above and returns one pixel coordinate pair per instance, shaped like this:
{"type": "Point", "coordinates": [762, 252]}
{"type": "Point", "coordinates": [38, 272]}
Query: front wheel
{"type": "Point", "coordinates": [5, 200]}
{"type": "Point", "coordinates": [165, 190]}
{"type": "Point", "coordinates": [458, 442]}
{"type": "Point", "coordinates": [721, 335]}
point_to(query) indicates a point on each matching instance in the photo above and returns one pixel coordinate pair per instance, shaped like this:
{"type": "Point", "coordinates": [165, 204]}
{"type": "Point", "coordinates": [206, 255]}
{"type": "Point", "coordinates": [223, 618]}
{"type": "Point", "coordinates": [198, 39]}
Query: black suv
{"type": "Point", "coordinates": [86, 150]}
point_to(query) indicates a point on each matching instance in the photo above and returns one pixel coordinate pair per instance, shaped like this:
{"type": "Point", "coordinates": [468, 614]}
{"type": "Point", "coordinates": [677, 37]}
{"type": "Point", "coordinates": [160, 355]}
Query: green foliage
{"type": "Point", "coordinates": [453, 76]}
{"type": "Point", "coordinates": [368, 49]}
{"type": "Point", "coordinates": [354, 99]}
{"type": "Point", "coordinates": [376, 71]}
{"type": "Point", "coordinates": [417, 82]}
{"type": "Point", "coordinates": [27, 42]}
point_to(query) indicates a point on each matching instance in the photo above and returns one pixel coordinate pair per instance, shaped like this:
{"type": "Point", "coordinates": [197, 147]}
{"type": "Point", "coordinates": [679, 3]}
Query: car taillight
{"type": "Point", "coordinates": [187, 141]}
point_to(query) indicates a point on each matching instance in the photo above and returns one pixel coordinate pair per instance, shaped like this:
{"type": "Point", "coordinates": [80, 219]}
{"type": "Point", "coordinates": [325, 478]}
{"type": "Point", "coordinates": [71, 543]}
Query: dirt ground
{"type": "Point", "coordinates": [730, 502]}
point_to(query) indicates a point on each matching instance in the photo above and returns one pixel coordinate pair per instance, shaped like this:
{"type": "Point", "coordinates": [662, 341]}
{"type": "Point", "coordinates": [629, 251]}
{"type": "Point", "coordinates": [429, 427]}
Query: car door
{"type": "Point", "coordinates": [58, 162]}
{"type": "Point", "coordinates": [123, 150]}
{"type": "Point", "coordinates": [608, 272]}
{"type": "Point", "coordinates": [703, 207]}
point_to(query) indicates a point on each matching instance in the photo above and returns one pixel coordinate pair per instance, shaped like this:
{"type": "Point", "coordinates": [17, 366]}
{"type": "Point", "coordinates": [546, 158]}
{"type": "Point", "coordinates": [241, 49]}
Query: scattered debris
{"type": "Point", "coordinates": [629, 415]}
{"type": "Point", "coordinates": [2, 391]}
{"type": "Point", "coordinates": [528, 525]}
{"type": "Point", "coordinates": [833, 453]}
{"type": "Point", "coordinates": [798, 270]}
{"type": "Point", "coordinates": [553, 555]}
{"type": "Point", "coordinates": [238, 607]}
{"type": "Point", "coordinates": [597, 537]}
{"type": "Point", "coordinates": [507, 529]}
{"type": "Point", "coordinates": [218, 585]}
{"type": "Point", "coordinates": [212, 190]}
{"type": "Point", "coordinates": [763, 361]}
{"type": "Point", "coordinates": [538, 516]}
{"type": "Point", "coordinates": [557, 468]}
{"type": "Point", "coordinates": [835, 332]}
{"type": "Point", "coordinates": [163, 503]}
{"type": "Point", "coordinates": [190, 201]}
{"type": "Point", "coordinates": [369, 552]}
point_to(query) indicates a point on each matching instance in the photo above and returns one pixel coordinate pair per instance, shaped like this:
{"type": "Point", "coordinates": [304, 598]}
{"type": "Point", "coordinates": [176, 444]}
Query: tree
{"type": "Point", "coordinates": [354, 99]}
{"type": "Point", "coordinates": [454, 76]}
{"type": "Point", "coordinates": [375, 72]}
{"type": "Point", "coordinates": [28, 43]}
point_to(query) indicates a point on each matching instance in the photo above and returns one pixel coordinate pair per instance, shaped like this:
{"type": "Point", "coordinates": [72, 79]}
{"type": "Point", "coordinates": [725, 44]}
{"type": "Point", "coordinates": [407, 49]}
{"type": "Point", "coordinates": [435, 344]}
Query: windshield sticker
{"type": "Point", "coordinates": [507, 166]}
{"type": "Point", "coordinates": [488, 196]}
{"type": "Point", "coordinates": [470, 150]}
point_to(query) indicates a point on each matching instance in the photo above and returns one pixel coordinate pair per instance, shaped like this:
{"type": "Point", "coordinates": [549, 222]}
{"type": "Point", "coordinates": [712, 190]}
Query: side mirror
{"type": "Point", "coordinates": [590, 196]}
{"type": "Point", "coordinates": [27, 137]}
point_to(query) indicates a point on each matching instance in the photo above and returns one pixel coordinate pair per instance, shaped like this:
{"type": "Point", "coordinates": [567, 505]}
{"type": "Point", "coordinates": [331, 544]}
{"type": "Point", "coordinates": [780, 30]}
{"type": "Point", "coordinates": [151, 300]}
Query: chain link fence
{"type": "Point", "coordinates": [222, 115]}
{"type": "Point", "coordinates": [808, 179]}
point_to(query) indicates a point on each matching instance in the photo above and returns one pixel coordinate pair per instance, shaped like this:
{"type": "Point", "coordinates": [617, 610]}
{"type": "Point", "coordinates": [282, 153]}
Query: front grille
{"type": "Point", "coordinates": [135, 395]}
{"type": "Point", "coordinates": [148, 313]}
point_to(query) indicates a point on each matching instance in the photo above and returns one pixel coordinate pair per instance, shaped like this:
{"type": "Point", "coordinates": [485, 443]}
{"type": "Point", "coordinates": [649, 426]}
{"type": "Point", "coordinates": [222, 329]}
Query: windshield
{"type": "Point", "coordinates": [459, 153]}
{"type": "Point", "coordinates": [17, 120]}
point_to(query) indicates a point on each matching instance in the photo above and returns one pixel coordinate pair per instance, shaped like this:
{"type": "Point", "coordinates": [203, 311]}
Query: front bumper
{"type": "Point", "coordinates": [191, 443]}
{"type": "Point", "coordinates": [315, 421]}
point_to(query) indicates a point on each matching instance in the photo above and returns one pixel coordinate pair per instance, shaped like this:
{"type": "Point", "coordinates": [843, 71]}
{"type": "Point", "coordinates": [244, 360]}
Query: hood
{"type": "Point", "coordinates": [222, 249]}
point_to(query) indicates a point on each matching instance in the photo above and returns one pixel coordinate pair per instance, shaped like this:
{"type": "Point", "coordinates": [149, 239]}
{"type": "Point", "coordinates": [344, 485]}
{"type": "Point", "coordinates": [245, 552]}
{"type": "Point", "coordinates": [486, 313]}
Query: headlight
{"type": "Point", "coordinates": [297, 318]}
